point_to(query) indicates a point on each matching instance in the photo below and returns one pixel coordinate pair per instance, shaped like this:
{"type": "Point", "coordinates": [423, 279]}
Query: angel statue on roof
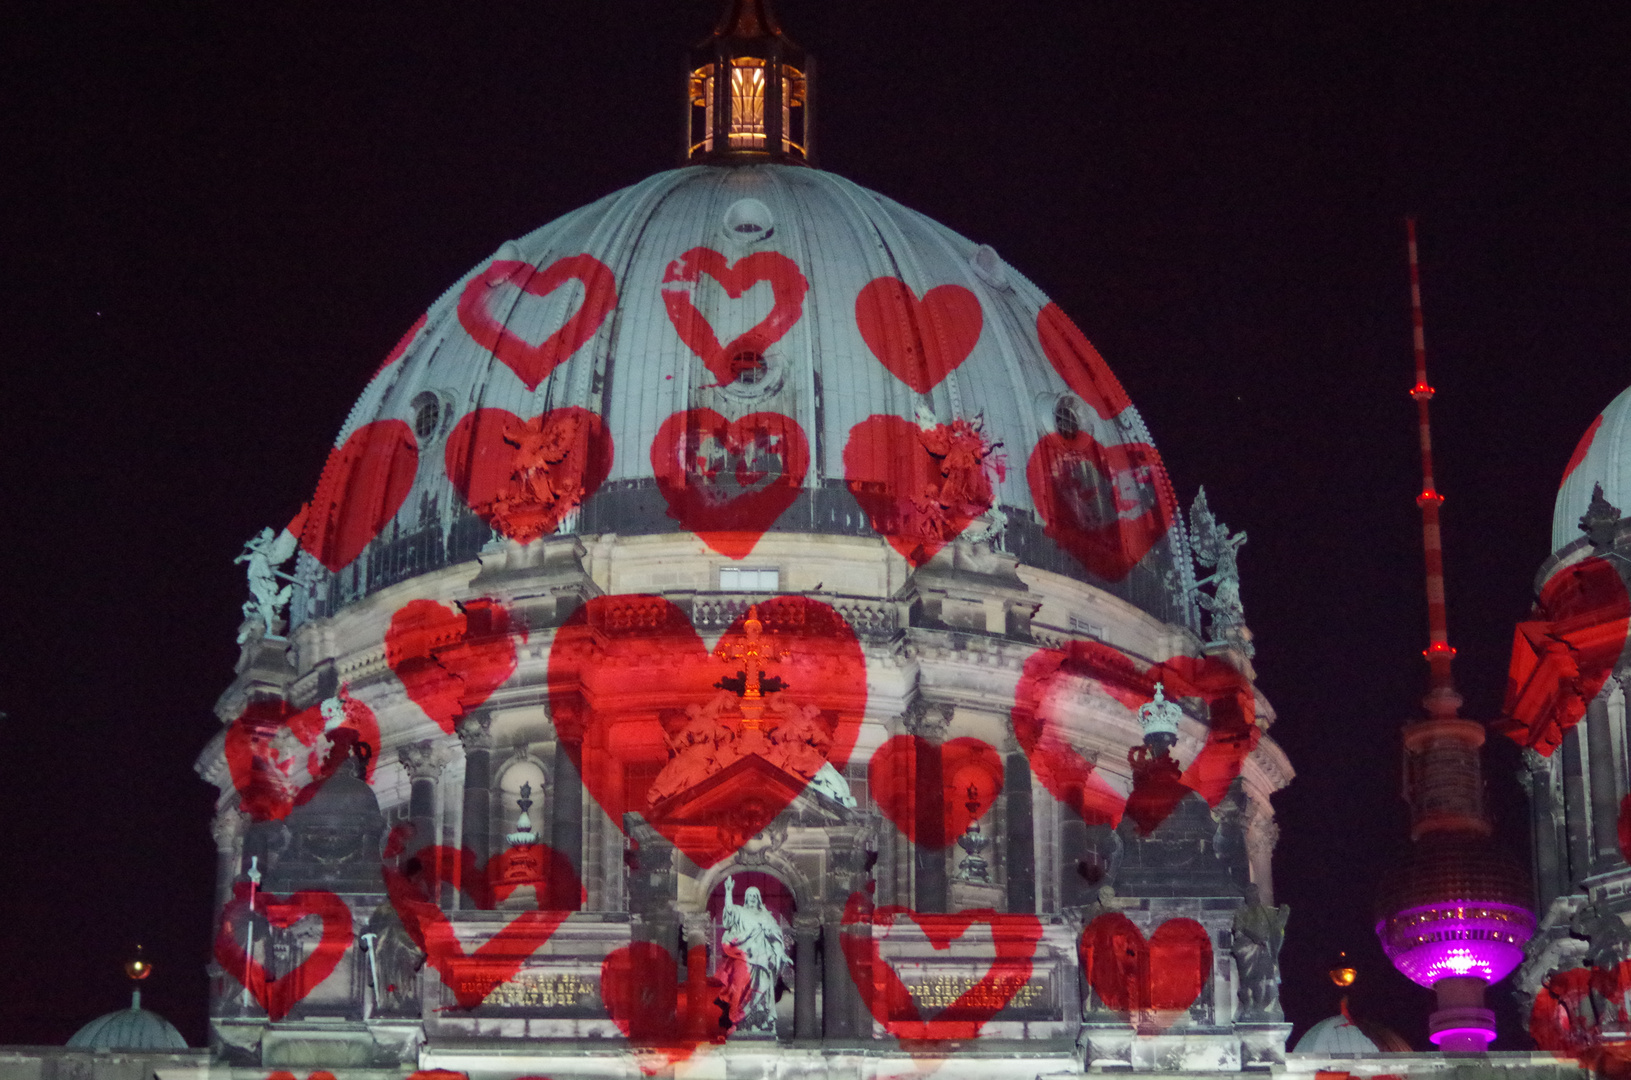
{"type": "Point", "coordinates": [265, 553]}
{"type": "Point", "coordinates": [1216, 549]}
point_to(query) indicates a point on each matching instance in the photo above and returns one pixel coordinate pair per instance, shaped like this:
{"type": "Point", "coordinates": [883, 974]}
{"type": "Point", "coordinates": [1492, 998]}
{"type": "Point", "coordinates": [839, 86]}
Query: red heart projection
{"type": "Point", "coordinates": [1014, 938]}
{"type": "Point", "coordinates": [533, 363]}
{"type": "Point", "coordinates": [1563, 654]}
{"type": "Point", "coordinates": [320, 1074]}
{"type": "Point", "coordinates": [708, 745]}
{"type": "Point", "coordinates": [364, 483]}
{"type": "Point", "coordinates": [919, 341]}
{"type": "Point", "coordinates": [898, 767]}
{"type": "Point", "coordinates": [1079, 363]}
{"type": "Point", "coordinates": [277, 996]}
{"type": "Point", "coordinates": [787, 288]}
{"type": "Point", "coordinates": [450, 661]}
{"type": "Point", "coordinates": [401, 346]}
{"type": "Point", "coordinates": [729, 480]}
{"type": "Point", "coordinates": [1569, 1018]}
{"type": "Point", "coordinates": [921, 487]}
{"type": "Point", "coordinates": [1106, 505]}
{"type": "Point", "coordinates": [523, 476]}
{"type": "Point", "coordinates": [279, 756]}
{"type": "Point", "coordinates": [1581, 449]}
{"type": "Point", "coordinates": [640, 987]}
{"type": "Point", "coordinates": [1070, 777]}
{"type": "Point", "coordinates": [1164, 974]}
{"type": "Point", "coordinates": [472, 976]}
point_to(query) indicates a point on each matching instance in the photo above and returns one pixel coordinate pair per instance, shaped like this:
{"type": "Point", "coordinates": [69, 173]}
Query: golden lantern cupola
{"type": "Point", "coordinates": [748, 93]}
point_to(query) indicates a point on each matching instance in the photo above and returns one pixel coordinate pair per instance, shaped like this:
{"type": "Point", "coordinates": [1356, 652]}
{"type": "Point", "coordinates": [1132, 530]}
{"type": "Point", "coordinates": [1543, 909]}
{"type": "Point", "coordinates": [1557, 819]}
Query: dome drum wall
{"type": "Point", "coordinates": [744, 551]}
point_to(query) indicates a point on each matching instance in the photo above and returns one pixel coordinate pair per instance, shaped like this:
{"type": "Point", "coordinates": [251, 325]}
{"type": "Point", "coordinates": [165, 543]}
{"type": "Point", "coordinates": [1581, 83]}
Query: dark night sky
{"type": "Point", "coordinates": [215, 219]}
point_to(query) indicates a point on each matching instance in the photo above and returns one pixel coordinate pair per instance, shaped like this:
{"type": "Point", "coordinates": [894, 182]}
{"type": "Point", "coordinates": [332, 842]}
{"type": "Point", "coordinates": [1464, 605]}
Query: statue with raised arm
{"type": "Point", "coordinates": [753, 957]}
{"type": "Point", "coordinates": [1217, 550]}
{"type": "Point", "coordinates": [264, 554]}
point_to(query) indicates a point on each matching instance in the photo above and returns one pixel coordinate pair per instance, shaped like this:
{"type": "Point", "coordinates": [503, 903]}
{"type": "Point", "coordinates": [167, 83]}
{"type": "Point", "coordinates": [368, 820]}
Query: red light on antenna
{"type": "Point", "coordinates": [1422, 392]}
{"type": "Point", "coordinates": [1429, 497]}
{"type": "Point", "coordinates": [1439, 648]}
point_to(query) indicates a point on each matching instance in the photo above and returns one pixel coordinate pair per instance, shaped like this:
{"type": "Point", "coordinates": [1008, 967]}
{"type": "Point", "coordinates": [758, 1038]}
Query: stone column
{"type": "Point", "coordinates": [424, 762]}
{"type": "Point", "coordinates": [1576, 804]}
{"type": "Point", "coordinates": [476, 735]}
{"type": "Point", "coordinates": [840, 1004]}
{"type": "Point", "coordinates": [566, 811]}
{"type": "Point", "coordinates": [1537, 784]}
{"type": "Point", "coordinates": [1605, 792]}
{"type": "Point", "coordinates": [806, 930]}
{"type": "Point", "coordinates": [929, 722]}
{"type": "Point", "coordinates": [698, 931]}
{"type": "Point", "coordinates": [1074, 891]}
{"type": "Point", "coordinates": [1019, 852]}
{"type": "Point", "coordinates": [228, 831]}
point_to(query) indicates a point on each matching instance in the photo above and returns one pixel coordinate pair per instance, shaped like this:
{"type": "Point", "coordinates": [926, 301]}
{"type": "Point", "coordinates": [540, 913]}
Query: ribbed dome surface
{"type": "Point", "coordinates": [1335, 1035]}
{"type": "Point", "coordinates": [1603, 456]}
{"type": "Point", "coordinates": [740, 350]}
{"type": "Point", "coordinates": [134, 1028]}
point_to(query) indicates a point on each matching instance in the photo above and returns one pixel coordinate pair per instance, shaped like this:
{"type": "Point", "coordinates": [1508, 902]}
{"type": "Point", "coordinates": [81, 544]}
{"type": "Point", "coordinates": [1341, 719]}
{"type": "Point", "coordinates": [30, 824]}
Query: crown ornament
{"type": "Point", "coordinates": [1158, 716]}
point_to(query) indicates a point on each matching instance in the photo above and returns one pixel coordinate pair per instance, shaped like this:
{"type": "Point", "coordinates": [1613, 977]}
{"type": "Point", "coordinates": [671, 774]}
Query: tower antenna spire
{"type": "Point", "coordinates": [1453, 915]}
{"type": "Point", "coordinates": [1442, 700]}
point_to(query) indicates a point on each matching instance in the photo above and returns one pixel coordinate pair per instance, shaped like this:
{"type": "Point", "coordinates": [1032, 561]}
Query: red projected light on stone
{"type": "Point", "coordinates": [897, 937]}
{"type": "Point", "coordinates": [281, 994]}
{"type": "Point", "coordinates": [1152, 980]}
{"type": "Point", "coordinates": [708, 745]}
{"type": "Point", "coordinates": [472, 973]}
{"type": "Point", "coordinates": [1105, 505]}
{"type": "Point", "coordinates": [921, 485]}
{"type": "Point", "coordinates": [509, 305]}
{"type": "Point", "coordinates": [522, 477]}
{"type": "Point", "coordinates": [450, 660]}
{"type": "Point", "coordinates": [698, 326]}
{"type": "Point", "coordinates": [729, 480]}
{"type": "Point", "coordinates": [279, 756]}
{"type": "Point", "coordinates": [919, 341]}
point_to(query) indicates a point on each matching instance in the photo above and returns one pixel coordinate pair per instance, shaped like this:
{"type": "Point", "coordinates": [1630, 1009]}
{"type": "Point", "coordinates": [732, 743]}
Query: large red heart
{"type": "Point", "coordinates": [1071, 778]}
{"type": "Point", "coordinates": [1162, 975]}
{"type": "Point", "coordinates": [902, 764]}
{"type": "Point", "coordinates": [523, 476]}
{"type": "Point", "coordinates": [277, 996]}
{"type": "Point", "coordinates": [533, 363]}
{"type": "Point", "coordinates": [654, 720]}
{"type": "Point", "coordinates": [919, 341]}
{"type": "Point", "coordinates": [921, 487]}
{"type": "Point", "coordinates": [787, 288]}
{"type": "Point", "coordinates": [451, 661]}
{"type": "Point", "coordinates": [364, 483]}
{"type": "Point", "coordinates": [887, 998]}
{"type": "Point", "coordinates": [729, 480]}
{"type": "Point", "coordinates": [1079, 363]}
{"type": "Point", "coordinates": [279, 757]}
{"type": "Point", "coordinates": [1106, 505]}
{"type": "Point", "coordinates": [413, 892]}
{"type": "Point", "coordinates": [640, 987]}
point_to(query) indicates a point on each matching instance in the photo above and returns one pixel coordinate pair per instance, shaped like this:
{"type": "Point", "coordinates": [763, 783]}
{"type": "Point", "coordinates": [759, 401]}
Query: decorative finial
{"type": "Point", "coordinates": [138, 967]}
{"type": "Point", "coordinates": [1343, 973]}
{"type": "Point", "coordinates": [523, 833]}
{"type": "Point", "coordinates": [1601, 519]}
{"type": "Point", "coordinates": [1159, 719]}
{"type": "Point", "coordinates": [748, 92]}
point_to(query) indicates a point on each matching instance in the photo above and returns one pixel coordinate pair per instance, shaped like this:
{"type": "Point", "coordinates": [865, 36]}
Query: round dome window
{"type": "Point", "coordinates": [748, 221]}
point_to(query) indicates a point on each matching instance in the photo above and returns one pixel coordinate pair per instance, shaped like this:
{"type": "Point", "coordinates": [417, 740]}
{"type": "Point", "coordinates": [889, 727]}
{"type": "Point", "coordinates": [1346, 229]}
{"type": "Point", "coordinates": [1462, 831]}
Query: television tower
{"type": "Point", "coordinates": [1454, 915]}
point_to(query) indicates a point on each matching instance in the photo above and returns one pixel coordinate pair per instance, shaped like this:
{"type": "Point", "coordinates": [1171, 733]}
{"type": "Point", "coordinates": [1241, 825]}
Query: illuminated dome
{"type": "Point", "coordinates": [734, 352]}
{"type": "Point", "coordinates": [1603, 456]}
{"type": "Point", "coordinates": [134, 1028]}
{"type": "Point", "coordinates": [1343, 1035]}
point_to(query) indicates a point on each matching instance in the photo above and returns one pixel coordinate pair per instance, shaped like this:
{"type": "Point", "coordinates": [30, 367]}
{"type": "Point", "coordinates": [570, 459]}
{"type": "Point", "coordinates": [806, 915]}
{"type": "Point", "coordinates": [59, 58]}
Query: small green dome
{"type": "Point", "coordinates": [134, 1028]}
